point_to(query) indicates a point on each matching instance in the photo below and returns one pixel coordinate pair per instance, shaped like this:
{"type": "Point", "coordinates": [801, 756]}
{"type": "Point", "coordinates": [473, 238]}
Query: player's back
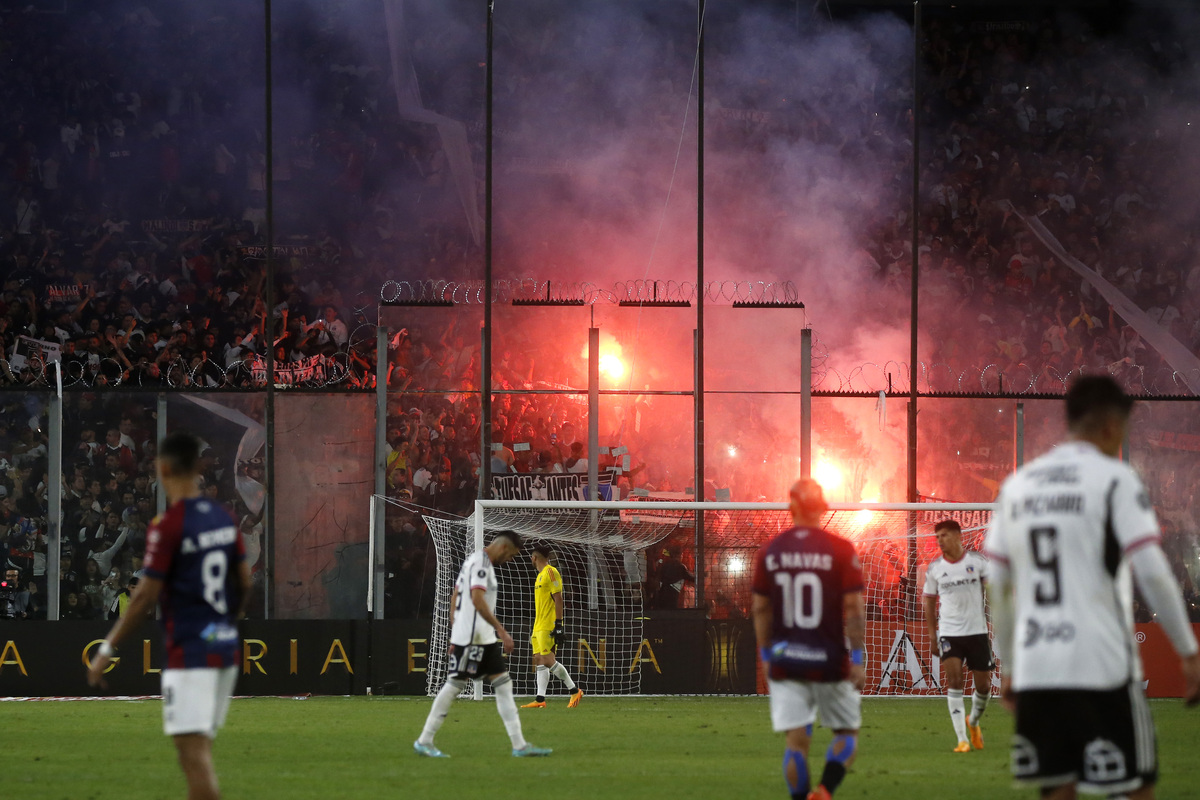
{"type": "Point", "coordinates": [806, 572]}
{"type": "Point", "coordinates": [469, 627]}
{"type": "Point", "coordinates": [195, 549]}
{"type": "Point", "coordinates": [1063, 524]}
{"type": "Point", "coordinates": [546, 585]}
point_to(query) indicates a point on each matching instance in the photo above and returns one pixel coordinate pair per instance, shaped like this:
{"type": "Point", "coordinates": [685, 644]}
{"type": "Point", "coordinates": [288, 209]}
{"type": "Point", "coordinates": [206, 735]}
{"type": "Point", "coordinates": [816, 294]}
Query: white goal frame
{"type": "Point", "coordinates": [482, 506]}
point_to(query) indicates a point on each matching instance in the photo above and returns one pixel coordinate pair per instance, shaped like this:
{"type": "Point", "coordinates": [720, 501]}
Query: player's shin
{"type": "Point", "coordinates": [978, 706]}
{"type": "Point", "coordinates": [838, 757]}
{"type": "Point", "coordinates": [795, 772]}
{"type": "Point", "coordinates": [560, 672]}
{"type": "Point", "coordinates": [441, 706]}
{"type": "Point", "coordinates": [543, 680]}
{"type": "Point", "coordinates": [958, 713]}
{"type": "Point", "coordinates": [508, 710]}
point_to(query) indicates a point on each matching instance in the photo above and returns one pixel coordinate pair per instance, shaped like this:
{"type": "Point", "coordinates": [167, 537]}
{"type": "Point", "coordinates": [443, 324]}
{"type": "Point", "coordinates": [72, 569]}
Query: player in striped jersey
{"type": "Point", "coordinates": [958, 631]}
{"type": "Point", "coordinates": [478, 646]}
{"type": "Point", "coordinates": [1067, 528]}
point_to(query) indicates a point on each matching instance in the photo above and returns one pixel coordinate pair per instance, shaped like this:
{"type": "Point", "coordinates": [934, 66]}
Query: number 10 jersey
{"type": "Point", "coordinates": [1063, 525]}
{"type": "Point", "coordinates": [806, 573]}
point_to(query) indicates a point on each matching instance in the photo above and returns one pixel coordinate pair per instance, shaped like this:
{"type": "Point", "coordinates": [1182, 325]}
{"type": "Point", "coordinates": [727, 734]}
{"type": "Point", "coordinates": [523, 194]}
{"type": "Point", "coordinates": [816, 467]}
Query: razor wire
{"type": "Point", "coordinates": [532, 290]}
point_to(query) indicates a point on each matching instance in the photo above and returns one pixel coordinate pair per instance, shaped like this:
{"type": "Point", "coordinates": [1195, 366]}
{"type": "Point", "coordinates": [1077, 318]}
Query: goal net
{"type": "Point", "coordinates": [613, 557]}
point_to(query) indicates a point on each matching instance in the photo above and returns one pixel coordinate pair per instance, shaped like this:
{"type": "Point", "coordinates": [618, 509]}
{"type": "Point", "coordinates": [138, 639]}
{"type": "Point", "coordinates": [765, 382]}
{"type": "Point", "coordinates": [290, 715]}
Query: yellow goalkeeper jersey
{"type": "Point", "coordinates": [548, 584]}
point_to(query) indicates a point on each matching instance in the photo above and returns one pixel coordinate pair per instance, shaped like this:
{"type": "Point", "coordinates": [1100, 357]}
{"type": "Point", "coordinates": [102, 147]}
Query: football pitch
{"type": "Point", "coordinates": [652, 747]}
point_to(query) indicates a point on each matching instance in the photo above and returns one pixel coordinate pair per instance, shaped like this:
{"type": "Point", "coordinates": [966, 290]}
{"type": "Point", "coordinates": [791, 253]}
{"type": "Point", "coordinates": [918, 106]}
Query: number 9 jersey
{"type": "Point", "coordinates": [806, 573]}
{"type": "Point", "coordinates": [1063, 525]}
{"type": "Point", "coordinates": [195, 549]}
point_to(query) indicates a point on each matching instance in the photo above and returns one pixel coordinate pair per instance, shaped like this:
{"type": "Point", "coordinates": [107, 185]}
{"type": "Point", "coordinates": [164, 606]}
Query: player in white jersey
{"type": "Point", "coordinates": [1067, 528]}
{"type": "Point", "coordinates": [958, 632]}
{"type": "Point", "coordinates": [478, 646]}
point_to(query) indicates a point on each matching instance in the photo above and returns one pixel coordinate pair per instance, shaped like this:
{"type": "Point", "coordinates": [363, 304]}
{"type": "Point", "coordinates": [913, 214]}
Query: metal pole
{"type": "Point", "coordinates": [160, 433]}
{"type": "Point", "coordinates": [269, 341]}
{"type": "Point", "coordinates": [699, 334]}
{"type": "Point", "coordinates": [593, 460]}
{"type": "Point", "coordinates": [806, 403]}
{"type": "Point", "coordinates": [913, 496]}
{"type": "Point", "coordinates": [54, 498]}
{"type": "Point", "coordinates": [1019, 437]}
{"type": "Point", "coordinates": [485, 353]}
{"type": "Point", "coordinates": [379, 509]}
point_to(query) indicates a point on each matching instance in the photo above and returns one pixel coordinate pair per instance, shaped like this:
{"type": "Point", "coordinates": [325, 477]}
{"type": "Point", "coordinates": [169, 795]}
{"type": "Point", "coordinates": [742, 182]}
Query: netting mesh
{"type": "Point", "coordinates": [609, 558]}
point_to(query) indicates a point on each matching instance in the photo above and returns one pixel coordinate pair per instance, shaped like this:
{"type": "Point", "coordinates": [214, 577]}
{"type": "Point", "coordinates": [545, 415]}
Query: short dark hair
{"type": "Point", "coordinates": [1090, 395]}
{"type": "Point", "coordinates": [542, 550]}
{"type": "Point", "coordinates": [947, 524]}
{"type": "Point", "coordinates": [182, 450]}
{"type": "Point", "coordinates": [512, 536]}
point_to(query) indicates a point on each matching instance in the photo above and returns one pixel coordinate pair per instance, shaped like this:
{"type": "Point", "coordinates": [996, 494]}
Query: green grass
{"type": "Point", "coordinates": [652, 747]}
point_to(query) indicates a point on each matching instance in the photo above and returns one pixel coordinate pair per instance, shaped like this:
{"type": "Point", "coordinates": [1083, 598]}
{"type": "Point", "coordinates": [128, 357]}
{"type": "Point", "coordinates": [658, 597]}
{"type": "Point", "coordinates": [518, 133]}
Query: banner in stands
{"type": "Point", "coordinates": [176, 225]}
{"type": "Point", "coordinates": [27, 349]}
{"type": "Point", "coordinates": [67, 292]}
{"type": "Point", "coordinates": [287, 373]}
{"type": "Point", "coordinates": [528, 486]}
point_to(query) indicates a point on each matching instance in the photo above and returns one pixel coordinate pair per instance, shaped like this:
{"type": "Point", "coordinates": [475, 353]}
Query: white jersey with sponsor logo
{"type": "Point", "coordinates": [959, 586]}
{"type": "Point", "coordinates": [469, 627]}
{"type": "Point", "coordinates": [1064, 524]}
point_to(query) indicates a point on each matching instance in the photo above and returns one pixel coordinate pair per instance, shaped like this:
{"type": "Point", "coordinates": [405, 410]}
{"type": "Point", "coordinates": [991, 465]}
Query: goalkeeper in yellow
{"type": "Point", "coordinates": [547, 629]}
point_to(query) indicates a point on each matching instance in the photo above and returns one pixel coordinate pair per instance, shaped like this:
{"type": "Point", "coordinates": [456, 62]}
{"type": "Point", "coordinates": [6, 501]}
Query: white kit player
{"type": "Point", "coordinates": [958, 631]}
{"type": "Point", "coordinates": [1067, 529]}
{"type": "Point", "coordinates": [478, 646]}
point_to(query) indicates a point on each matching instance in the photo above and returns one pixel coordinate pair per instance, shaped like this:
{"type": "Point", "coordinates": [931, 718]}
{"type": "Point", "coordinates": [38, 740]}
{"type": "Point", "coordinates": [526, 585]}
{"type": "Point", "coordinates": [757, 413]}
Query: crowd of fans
{"type": "Point", "coordinates": [136, 169]}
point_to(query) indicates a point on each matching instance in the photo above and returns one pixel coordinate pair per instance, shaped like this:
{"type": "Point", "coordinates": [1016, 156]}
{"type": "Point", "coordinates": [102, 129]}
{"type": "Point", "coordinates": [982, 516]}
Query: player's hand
{"type": "Point", "coordinates": [1191, 679]}
{"type": "Point", "coordinates": [558, 631]}
{"type": "Point", "coordinates": [508, 642]}
{"type": "Point", "coordinates": [1008, 698]}
{"type": "Point", "coordinates": [858, 676]}
{"type": "Point", "coordinates": [95, 675]}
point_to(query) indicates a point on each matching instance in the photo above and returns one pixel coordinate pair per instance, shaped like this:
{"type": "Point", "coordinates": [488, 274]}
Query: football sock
{"type": "Point", "coordinates": [795, 772]}
{"type": "Point", "coordinates": [441, 707]}
{"type": "Point", "coordinates": [840, 753]}
{"type": "Point", "coordinates": [508, 710]}
{"type": "Point", "coordinates": [978, 706]}
{"type": "Point", "coordinates": [543, 680]}
{"type": "Point", "coordinates": [958, 713]}
{"type": "Point", "coordinates": [560, 672]}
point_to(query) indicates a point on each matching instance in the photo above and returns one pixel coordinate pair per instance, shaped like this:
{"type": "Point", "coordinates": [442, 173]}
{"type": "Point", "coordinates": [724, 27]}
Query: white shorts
{"type": "Point", "coordinates": [196, 700]}
{"type": "Point", "coordinates": [794, 704]}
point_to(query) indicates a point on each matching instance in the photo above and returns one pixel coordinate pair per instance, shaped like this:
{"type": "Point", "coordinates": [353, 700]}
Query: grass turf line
{"type": "Point", "coordinates": [688, 747]}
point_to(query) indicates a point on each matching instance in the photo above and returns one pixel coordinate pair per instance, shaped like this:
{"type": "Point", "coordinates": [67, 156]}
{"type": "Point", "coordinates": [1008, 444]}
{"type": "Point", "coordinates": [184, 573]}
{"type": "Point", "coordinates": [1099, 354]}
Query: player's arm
{"type": "Point", "coordinates": [479, 600]}
{"type": "Point", "coordinates": [763, 615]}
{"type": "Point", "coordinates": [930, 604]}
{"type": "Point", "coordinates": [855, 614]}
{"type": "Point", "coordinates": [558, 631]}
{"type": "Point", "coordinates": [453, 603]}
{"type": "Point", "coordinates": [141, 603]}
{"type": "Point", "coordinates": [1158, 586]}
{"type": "Point", "coordinates": [1000, 603]}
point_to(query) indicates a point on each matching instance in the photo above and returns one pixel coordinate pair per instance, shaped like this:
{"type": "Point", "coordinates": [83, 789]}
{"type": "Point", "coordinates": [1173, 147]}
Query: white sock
{"type": "Point", "coordinates": [958, 713]}
{"type": "Point", "coordinates": [441, 707]}
{"type": "Point", "coordinates": [560, 672]}
{"type": "Point", "coordinates": [508, 710]}
{"type": "Point", "coordinates": [978, 706]}
{"type": "Point", "coordinates": [543, 680]}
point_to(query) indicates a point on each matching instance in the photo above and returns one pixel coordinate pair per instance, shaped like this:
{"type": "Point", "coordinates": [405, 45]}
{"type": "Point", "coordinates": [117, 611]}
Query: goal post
{"type": "Point", "coordinates": [608, 552]}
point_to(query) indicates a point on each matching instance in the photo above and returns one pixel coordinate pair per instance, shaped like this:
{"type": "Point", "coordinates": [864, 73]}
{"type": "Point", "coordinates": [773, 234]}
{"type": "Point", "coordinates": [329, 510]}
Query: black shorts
{"type": "Point", "coordinates": [476, 660]}
{"type": "Point", "coordinates": [1102, 740]}
{"type": "Point", "coordinates": [975, 650]}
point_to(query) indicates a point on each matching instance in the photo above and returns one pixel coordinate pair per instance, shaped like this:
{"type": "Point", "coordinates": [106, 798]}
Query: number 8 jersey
{"type": "Point", "coordinates": [1063, 525]}
{"type": "Point", "coordinates": [195, 548]}
{"type": "Point", "coordinates": [807, 572]}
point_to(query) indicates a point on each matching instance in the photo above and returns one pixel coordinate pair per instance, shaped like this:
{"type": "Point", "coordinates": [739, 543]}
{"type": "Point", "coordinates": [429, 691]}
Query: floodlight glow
{"type": "Point", "coordinates": [736, 565]}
